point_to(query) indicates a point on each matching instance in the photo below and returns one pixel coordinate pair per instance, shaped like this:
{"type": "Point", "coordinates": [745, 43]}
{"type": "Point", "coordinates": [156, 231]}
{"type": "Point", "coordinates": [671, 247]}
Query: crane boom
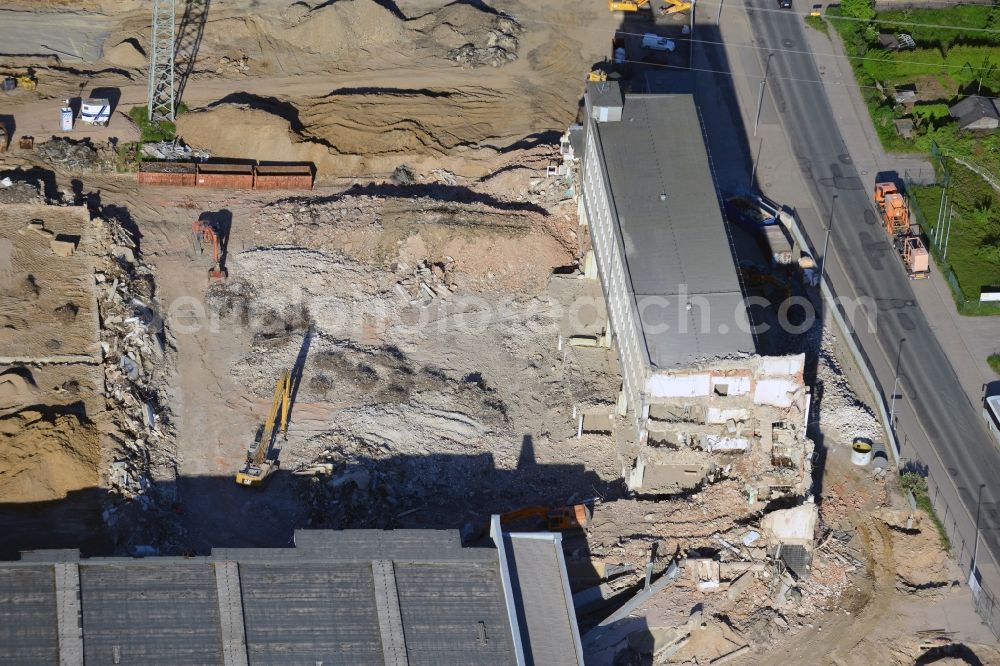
{"type": "Point", "coordinates": [281, 394]}
{"type": "Point", "coordinates": [257, 466]}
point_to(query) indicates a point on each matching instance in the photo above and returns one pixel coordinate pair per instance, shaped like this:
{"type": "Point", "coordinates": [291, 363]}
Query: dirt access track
{"type": "Point", "coordinates": [355, 87]}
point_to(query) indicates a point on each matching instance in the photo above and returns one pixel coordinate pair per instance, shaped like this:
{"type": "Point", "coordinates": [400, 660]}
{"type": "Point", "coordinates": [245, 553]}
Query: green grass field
{"type": "Point", "coordinates": [974, 241]}
{"type": "Point", "coordinates": [958, 53]}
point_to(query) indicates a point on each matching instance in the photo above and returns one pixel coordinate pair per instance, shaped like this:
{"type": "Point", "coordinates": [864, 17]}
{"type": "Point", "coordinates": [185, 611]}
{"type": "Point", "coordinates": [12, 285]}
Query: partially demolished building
{"type": "Point", "coordinates": [701, 402]}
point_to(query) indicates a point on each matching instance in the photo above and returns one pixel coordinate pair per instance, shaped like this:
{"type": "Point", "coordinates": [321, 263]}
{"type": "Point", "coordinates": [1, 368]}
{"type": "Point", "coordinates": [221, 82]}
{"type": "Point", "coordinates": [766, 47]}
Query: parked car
{"type": "Point", "coordinates": [656, 43]}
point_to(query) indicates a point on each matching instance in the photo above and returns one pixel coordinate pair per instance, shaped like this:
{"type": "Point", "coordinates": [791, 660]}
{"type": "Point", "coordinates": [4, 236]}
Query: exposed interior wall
{"type": "Point", "coordinates": [747, 416]}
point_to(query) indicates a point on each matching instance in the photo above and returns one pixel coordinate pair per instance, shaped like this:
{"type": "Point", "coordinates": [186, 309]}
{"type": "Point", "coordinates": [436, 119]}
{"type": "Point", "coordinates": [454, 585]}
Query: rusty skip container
{"type": "Point", "coordinates": [176, 174]}
{"type": "Point", "coordinates": [228, 176]}
{"type": "Point", "coordinates": [283, 177]}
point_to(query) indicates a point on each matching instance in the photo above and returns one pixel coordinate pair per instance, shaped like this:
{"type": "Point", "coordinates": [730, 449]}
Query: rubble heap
{"type": "Point", "coordinates": [69, 154]}
{"type": "Point", "coordinates": [495, 48]}
{"type": "Point", "coordinates": [133, 349]}
{"type": "Point", "coordinates": [19, 192]}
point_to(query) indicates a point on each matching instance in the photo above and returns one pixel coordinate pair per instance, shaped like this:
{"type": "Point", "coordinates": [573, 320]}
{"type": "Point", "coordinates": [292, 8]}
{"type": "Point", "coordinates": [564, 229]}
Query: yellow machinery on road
{"type": "Point", "coordinates": [27, 81]}
{"type": "Point", "coordinates": [627, 5]}
{"type": "Point", "coordinates": [670, 6]}
{"type": "Point", "coordinates": [258, 465]}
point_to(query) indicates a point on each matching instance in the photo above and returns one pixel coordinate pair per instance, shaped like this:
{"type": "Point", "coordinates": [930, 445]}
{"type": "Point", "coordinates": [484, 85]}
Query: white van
{"type": "Point", "coordinates": [95, 111]}
{"type": "Point", "coordinates": [657, 43]}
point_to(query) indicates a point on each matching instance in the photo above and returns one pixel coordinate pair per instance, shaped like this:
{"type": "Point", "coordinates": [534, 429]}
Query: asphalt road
{"type": "Point", "coordinates": [938, 425]}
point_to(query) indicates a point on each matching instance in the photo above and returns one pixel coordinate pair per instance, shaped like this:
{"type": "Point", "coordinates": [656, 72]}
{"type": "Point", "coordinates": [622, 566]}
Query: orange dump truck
{"type": "Point", "coordinates": [903, 233]}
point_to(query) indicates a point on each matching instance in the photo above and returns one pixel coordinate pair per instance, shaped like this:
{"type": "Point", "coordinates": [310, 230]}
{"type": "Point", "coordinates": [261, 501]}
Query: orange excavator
{"type": "Point", "coordinates": [207, 232]}
{"type": "Point", "coordinates": [894, 209]}
{"type": "Point", "coordinates": [566, 518]}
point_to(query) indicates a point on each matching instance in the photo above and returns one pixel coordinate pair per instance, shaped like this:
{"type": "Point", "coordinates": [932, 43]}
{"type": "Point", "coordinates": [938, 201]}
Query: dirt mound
{"type": "Point", "coordinates": [236, 131]}
{"type": "Point", "coordinates": [347, 26]}
{"type": "Point", "coordinates": [922, 565]}
{"type": "Point", "coordinates": [489, 248]}
{"type": "Point", "coordinates": [46, 457]}
{"type": "Point", "coordinates": [17, 389]}
{"type": "Point", "coordinates": [365, 131]}
{"type": "Point", "coordinates": [127, 55]}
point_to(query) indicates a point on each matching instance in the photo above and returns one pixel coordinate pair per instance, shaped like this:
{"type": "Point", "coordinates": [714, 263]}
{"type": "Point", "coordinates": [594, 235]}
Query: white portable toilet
{"type": "Point", "coordinates": [66, 119]}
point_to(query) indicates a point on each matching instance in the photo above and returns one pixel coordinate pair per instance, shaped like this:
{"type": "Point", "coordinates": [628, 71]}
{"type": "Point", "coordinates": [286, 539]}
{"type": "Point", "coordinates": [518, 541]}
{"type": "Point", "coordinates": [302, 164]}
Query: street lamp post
{"type": "Point", "coordinates": [975, 549]}
{"type": "Point", "coordinates": [826, 241]}
{"type": "Point", "coordinates": [760, 93]}
{"type": "Point", "coordinates": [895, 384]}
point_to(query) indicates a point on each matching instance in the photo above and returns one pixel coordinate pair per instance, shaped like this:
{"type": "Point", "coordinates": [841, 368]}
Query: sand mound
{"type": "Point", "coordinates": [347, 25]}
{"type": "Point", "coordinates": [350, 132]}
{"type": "Point", "coordinates": [44, 458]}
{"type": "Point", "coordinates": [922, 565]}
{"type": "Point", "coordinates": [235, 131]}
{"type": "Point", "coordinates": [17, 390]}
{"type": "Point", "coordinates": [126, 55]}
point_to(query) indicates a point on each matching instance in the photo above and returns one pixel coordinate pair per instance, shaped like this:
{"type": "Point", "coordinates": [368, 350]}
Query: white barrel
{"type": "Point", "coordinates": [861, 453]}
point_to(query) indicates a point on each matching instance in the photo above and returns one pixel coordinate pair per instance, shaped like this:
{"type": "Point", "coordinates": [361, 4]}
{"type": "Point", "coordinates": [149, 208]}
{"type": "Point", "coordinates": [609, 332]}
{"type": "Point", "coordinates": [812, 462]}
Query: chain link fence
{"type": "Point", "coordinates": [974, 559]}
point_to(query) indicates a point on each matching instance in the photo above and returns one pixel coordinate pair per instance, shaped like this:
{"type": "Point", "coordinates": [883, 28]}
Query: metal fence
{"type": "Point", "coordinates": [972, 558]}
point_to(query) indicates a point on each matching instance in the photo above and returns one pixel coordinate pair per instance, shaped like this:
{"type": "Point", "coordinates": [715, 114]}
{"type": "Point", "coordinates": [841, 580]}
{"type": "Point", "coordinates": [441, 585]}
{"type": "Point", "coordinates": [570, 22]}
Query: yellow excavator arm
{"type": "Point", "coordinates": [257, 466]}
{"type": "Point", "coordinates": [675, 6]}
{"type": "Point", "coordinates": [627, 5]}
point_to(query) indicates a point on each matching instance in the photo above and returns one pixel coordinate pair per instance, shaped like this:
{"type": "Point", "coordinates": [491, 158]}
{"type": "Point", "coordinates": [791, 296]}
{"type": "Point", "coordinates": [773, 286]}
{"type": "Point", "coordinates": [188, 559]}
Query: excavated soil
{"type": "Point", "coordinates": [48, 308]}
{"type": "Point", "coordinates": [45, 457]}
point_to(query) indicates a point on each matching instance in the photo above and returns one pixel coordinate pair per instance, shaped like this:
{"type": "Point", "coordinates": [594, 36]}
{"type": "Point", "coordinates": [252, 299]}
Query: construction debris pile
{"type": "Point", "coordinates": [394, 412]}
{"type": "Point", "coordinates": [474, 245]}
{"type": "Point", "coordinates": [841, 414]}
{"type": "Point", "coordinates": [134, 351]}
{"type": "Point", "coordinates": [495, 48]}
{"type": "Point", "coordinates": [69, 154]}
{"type": "Point", "coordinates": [19, 192]}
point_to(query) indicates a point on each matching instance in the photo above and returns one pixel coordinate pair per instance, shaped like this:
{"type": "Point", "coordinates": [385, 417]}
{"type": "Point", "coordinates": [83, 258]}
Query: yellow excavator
{"type": "Point", "coordinates": [27, 81]}
{"type": "Point", "coordinates": [670, 7]}
{"type": "Point", "coordinates": [258, 466]}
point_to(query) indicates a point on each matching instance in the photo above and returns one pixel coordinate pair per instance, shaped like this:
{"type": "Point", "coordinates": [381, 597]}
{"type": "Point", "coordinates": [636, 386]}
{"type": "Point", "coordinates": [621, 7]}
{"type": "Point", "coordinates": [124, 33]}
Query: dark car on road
{"type": "Point", "coordinates": [785, 4]}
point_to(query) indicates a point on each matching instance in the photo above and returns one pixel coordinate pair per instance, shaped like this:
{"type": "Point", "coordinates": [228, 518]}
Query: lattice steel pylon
{"type": "Point", "coordinates": [160, 98]}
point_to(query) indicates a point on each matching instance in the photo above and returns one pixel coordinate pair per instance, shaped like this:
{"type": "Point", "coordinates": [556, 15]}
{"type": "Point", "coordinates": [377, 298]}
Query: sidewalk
{"type": "Point", "coordinates": [967, 341]}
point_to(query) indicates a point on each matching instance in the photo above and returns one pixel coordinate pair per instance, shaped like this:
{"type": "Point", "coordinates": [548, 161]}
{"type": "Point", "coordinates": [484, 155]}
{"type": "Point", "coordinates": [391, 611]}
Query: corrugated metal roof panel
{"type": "Point", "coordinates": [304, 613]}
{"type": "Point", "coordinates": [143, 613]}
{"type": "Point", "coordinates": [28, 629]}
{"type": "Point", "coordinates": [546, 614]}
{"type": "Point", "coordinates": [454, 613]}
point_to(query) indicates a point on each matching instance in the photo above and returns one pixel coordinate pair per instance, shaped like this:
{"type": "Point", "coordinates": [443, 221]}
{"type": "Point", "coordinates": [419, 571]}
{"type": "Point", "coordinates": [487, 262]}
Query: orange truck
{"type": "Point", "coordinates": [903, 233]}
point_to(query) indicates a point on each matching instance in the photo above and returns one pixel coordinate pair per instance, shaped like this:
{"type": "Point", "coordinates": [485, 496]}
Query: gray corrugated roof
{"type": "Point", "coordinates": [442, 606]}
{"type": "Point", "coordinates": [538, 576]}
{"type": "Point", "coordinates": [139, 612]}
{"type": "Point", "coordinates": [676, 243]}
{"type": "Point", "coordinates": [28, 630]}
{"type": "Point", "coordinates": [973, 108]}
{"type": "Point", "coordinates": [313, 603]}
{"type": "Point", "coordinates": [306, 613]}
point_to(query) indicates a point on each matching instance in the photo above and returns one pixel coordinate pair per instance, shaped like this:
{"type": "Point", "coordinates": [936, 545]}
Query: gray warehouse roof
{"type": "Point", "coordinates": [340, 597]}
{"type": "Point", "coordinates": [677, 248]}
